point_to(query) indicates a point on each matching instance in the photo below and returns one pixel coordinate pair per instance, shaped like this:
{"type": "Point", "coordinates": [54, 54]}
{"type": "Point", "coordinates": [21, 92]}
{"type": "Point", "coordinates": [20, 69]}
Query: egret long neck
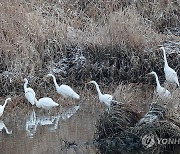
{"type": "Point", "coordinates": [165, 59]}
{"type": "Point", "coordinates": [54, 80]}
{"type": "Point", "coordinates": [36, 101]}
{"type": "Point", "coordinates": [157, 80]}
{"type": "Point", "coordinates": [25, 85]}
{"type": "Point", "coordinates": [98, 89]}
{"type": "Point", "coordinates": [5, 103]}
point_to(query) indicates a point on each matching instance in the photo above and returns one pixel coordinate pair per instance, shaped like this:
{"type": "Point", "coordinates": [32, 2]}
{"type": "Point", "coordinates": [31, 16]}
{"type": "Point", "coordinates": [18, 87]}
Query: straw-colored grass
{"type": "Point", "coordinates": [118, 41]}
{"type": "Point", "coordinates": [35, 33]}
{"type": "Point", "coordinates": [123, 127]}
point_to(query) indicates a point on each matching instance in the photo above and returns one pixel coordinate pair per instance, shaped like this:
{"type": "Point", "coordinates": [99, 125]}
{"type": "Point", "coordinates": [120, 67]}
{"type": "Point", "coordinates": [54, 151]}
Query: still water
{"type": "Point", "coordinates": [41, 132]}
{"type": "Point", "coordinates": [63, 130]}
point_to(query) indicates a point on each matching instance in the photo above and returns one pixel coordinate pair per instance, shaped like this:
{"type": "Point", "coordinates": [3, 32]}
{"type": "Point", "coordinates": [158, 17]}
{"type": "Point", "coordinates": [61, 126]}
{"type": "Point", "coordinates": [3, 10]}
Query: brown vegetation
{"type": "Point", "coordinates": [118, 39]}
{"type": "Point", "coordinates": [107, 41]}
{"type": "Point", "coordinates": [123, 129]}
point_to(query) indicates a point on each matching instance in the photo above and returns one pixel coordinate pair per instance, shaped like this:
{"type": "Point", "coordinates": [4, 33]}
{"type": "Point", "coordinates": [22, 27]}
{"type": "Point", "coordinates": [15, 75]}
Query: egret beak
{"type": "Point", "coordinates": [46, 78]}
{"type": "Point", "coordinates": [87, 82]}
{"type": "Point", "coordinates": [21, 81]}
{"type": "Point", "coordinates": [160, 45]}
{"type": "Point", "coordinates": [9, 99]}
{"type": "Point", "coordinates": [148, 74]}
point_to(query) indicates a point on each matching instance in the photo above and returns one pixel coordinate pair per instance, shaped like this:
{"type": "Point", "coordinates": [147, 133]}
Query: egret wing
{"type": "Point", "coordinates": [30, 96]}
{"type": "Point", "coordinates": [68, 92]}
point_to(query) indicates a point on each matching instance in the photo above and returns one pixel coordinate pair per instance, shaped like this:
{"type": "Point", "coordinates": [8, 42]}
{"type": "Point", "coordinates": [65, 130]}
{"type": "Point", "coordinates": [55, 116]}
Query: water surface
{"type": "Point", "coordinates": [49, 132]}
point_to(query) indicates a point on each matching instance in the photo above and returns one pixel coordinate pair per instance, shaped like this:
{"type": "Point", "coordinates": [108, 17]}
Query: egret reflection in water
{"type": "Point", "coordinates": [69, 112]}
{"type": "Point", "coordinates": [3, 126]}
{"type": "Point", "coordinates": [33, 121]}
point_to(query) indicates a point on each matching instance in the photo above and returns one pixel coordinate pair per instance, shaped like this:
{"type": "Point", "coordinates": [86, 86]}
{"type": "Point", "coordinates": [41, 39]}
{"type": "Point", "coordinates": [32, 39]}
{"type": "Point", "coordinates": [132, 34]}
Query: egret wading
{"type": "Point", "coordinates": [64, 90]}
{"type": "Point", "coordinates": [29, 93]}
{"type": "Point", "coordinates": [161, 91]}
{"type": "Point", "coordinates": [46, 103]}
{"type": "Point", "coordinates": [170, 74]}
{"type": "Point", "coordinates": [104, 98]}
{"type": "Point", "coordinates": [3, 106]}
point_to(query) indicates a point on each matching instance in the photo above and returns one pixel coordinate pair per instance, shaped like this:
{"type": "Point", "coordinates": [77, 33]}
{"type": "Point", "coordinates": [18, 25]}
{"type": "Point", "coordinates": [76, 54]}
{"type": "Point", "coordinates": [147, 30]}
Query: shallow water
{"type": "Point", "coordinates": [62, 130]}
{"type": "Point", "coordinates": [45, 132]}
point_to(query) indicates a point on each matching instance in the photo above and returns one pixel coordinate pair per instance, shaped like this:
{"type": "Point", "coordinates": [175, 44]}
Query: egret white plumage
{"type": "Point", "coordinates": [64, 90]}
{"type": "Point", "coordinates": [170, 74]}
{"type": "Point", "coordinates": [3, 106]}
{"type": "Point", "coordinates": [46, 103]}
{"type": "Point", "coordinates": [104, 98]}
{"type": "Point", "coordinates": [29, 93]}
{"type": "Point", "coordinates": [161, 91]}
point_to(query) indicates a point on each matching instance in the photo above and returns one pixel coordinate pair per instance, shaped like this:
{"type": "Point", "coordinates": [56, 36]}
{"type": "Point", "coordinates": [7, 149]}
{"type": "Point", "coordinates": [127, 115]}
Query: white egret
{"type": "Point", "coordinates": [104, 98]}
{"type": "Point", "coordinates": [64, 90]}
{"type": "Point", "coordinates": [3, 106]}
{"type": "Point", "coordinates": [29, 93]}
{"type": "Point", "coordinates": [161, 91]}
{"type": "Point", "coordinates": [170, 74]}
{"type": "Point", "coordinates": [46, 103]}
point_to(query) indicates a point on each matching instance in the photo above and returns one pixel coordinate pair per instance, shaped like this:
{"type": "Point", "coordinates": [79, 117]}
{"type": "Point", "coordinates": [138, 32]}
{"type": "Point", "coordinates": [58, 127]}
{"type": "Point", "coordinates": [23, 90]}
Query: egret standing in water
{"type": "Point", "coordinates": [64, 90]}
{"type": "Point", "coordinates": [104, 98]}
{"type": "Point", "coordinates": [170, 74]}
{"type": "Point", "coordinates": [3, 106]}
{"type": "Point", "coordinates": [46, 103]}
{"type": "Point", "coordinates": [161, 91]}
{"type": "Point", "coordinates": [29, 93]}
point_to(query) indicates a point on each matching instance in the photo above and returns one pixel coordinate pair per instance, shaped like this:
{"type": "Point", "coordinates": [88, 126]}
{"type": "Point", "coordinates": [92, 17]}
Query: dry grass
{"type": "Point", "coordinates": [123, 127]}
{"type": "Point", "coordinates": [28, 29]}
{"type": "Point", "coordinates": [138, 96]}
{"type": "Point", "coordinates": [119, 40]}
{"type": "Point", "coordinates": [162, 13]}
{"type": "Point", "coordinates": [113, 36]}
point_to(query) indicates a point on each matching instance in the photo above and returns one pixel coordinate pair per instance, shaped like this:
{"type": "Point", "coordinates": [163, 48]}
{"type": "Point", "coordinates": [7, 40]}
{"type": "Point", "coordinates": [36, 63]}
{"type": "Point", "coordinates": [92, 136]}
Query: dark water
{"type": "Point", "coordinates": [42, 132]}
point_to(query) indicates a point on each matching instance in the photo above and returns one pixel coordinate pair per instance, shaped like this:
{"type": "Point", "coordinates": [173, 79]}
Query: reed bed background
{"type": "Point", "coordinates": [115, 43]}
{"type": "Point", "coordinates": [111, 42]}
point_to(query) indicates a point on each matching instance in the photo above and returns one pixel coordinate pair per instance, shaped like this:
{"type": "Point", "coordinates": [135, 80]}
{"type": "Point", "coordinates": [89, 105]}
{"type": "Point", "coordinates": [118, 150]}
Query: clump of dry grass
{"type": "Point", "coordinates": [163, 14]}
{"type": "Point", "coordinates": [138, 96]}
{"type": "Point", "coordinates": [126, 29]}
{"type": "Point", "coordinates": [117, 120]}
{"type": "Point", "coordinates": [141, 113]}
{"type": "Point", "coordinates": [122, 129]}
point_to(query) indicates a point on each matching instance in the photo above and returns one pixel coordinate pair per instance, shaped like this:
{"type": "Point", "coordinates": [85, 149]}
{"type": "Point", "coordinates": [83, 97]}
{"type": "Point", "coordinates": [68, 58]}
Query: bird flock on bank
{"type": "Point", "coordinates": [171, 77]}
{"type": "Point", "coordinates": [67, 92]}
